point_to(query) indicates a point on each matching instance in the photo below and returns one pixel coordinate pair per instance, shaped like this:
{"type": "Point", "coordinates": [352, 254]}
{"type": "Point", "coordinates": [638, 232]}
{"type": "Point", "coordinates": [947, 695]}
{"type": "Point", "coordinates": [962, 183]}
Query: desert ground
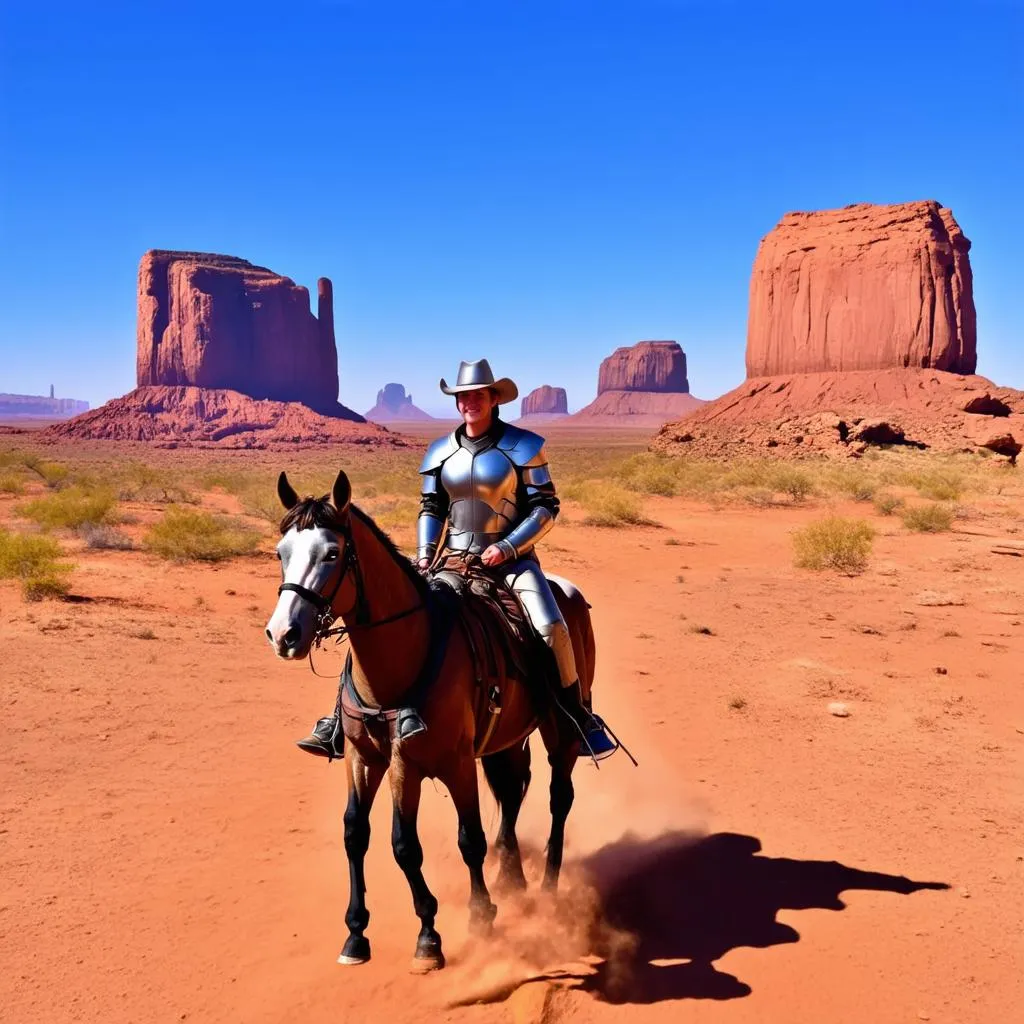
{"type": "Point", "coordinates": [168, 854]}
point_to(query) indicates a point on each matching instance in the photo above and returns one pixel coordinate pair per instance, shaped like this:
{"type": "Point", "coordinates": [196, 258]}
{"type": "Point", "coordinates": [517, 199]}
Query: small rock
{"type": "Point", "coordinates": [964, 894]}
{"type": "Point", "coordinates": [839, 709]}
{"type": "Point", "coordinates": [921, 1015]}
{"type": "Point", "coordinates": [941, 671]}
{"type": "Point", "coordinates": [939, 599]}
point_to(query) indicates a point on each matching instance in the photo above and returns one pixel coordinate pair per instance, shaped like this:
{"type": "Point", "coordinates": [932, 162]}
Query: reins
{"type": "Point", "coordinates": [325, 618]}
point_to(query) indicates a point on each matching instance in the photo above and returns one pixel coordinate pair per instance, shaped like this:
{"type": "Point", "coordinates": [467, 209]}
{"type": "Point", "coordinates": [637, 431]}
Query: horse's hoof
{"type": "Point", "coordinates": [355, 951]}
{"type": "Point", "coordinates": [426, 964]}
{"type": "Point", "coordinates": [428, 956]}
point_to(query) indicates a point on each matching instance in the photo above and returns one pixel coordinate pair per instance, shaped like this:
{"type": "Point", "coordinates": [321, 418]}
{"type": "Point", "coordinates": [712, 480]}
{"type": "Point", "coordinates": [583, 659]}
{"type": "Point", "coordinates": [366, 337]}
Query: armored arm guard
{"type": "Point", "coordinates": [433, 510]}
{"type": "Point", "coordinates": [538, 494]}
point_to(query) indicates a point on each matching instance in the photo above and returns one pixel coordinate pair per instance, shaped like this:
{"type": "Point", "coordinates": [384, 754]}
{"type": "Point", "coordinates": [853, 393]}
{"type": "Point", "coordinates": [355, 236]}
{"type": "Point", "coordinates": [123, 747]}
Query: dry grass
{"type": "Point", "coordinates": [11, 483]}
{"type": "Point", "coordinates": [607, 504]}
{"type": "Point", "coordinates": [186, 534]}
{"type": "Point", "coordinates": [36, 563]}
{"type": "Point", "coordinates": [70, 508]}
{"type": "Point", "coordinates": [834, 543]}
{"type": "Point", "coordinates": [933, 518]}
{"type": "Point", "coordinates": [888, 504]}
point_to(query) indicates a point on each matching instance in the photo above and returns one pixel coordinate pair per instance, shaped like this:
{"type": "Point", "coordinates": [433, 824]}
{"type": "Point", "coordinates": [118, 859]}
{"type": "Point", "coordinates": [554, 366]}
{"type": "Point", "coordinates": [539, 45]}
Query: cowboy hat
{"type": "Point", "coordinates": [473, 376]}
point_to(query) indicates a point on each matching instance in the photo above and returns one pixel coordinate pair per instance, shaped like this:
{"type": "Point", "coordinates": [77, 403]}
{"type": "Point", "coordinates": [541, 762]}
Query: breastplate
{"type": "Point", "coordinates": [481, 491]}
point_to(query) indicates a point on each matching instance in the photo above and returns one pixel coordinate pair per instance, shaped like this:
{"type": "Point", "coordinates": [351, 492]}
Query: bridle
{"type": "Point", "coordinates": [361, 607]}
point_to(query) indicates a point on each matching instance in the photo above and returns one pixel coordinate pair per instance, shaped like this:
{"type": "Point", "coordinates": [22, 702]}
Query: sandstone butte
{"type": "Point", "coordinates": [640, 385]}
{"type": "Point", "coordinates": [213, 321]}
{"type": "Point", "coordinates": [861, 330]}
{"type": "Point", "coordinates": [545, 401]}
{"type": "Point", "coordinates": [228, 355]}
{"type": "Point", "coordinates": [862, 288]}
{"type": "Point", "coordinates": [394, 405]}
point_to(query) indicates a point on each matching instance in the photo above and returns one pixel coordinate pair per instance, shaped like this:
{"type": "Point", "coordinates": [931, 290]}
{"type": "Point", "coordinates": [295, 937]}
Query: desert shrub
{"type": "Point", "coordinates": [136, 481]}
{"type": "Point", "coordinates": [792, 481]}
{"type": "Point", "coordinates": [608, 504]}
{"type": "Point", "coordinates": [649, 474]}
{"type": "Point", "coordinates": [760, 497]}
{"type": "Point", "coordinates": [834, 543]}
{"type": "Point", "coordinates": [71, 508]}
{"type": "Point", "coordinates": [54, 474]}
{"type": "Point", "coordinates": [941, 485]}
{"type": "Point", "coordinates": [932, 518]}
{"type": "Point", "coordinates": [185, 534]}
{"type": "Point", "coordinates": [11, 483]}
{"type": "Point", "coordinates": [101, 537]}
{"type": "Point", "coordinates": [887, 504]}
{"type": "Point", "coordinates": [36, 562]}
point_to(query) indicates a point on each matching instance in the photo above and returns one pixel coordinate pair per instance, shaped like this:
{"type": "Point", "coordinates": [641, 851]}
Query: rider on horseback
{"type": "Point", "coordinates": [488, 483]}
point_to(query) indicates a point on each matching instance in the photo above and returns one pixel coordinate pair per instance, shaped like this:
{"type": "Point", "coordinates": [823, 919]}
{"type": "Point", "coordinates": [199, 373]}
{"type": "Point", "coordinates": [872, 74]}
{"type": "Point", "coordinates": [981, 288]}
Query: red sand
{"type": "Point", "coordinates": [168, 855]}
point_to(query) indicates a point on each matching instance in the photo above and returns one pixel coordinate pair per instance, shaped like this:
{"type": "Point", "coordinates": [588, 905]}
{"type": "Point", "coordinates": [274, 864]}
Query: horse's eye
{"type": "Point", "coordinates": [331, 556]}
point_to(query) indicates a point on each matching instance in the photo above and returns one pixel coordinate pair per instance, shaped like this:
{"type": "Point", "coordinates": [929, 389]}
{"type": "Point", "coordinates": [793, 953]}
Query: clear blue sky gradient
{"type": "Point", "coordinates": [536, 181]}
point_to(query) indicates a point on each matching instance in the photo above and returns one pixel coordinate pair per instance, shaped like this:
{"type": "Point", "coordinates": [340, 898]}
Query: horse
{"type": "Point", "coordinates": [337, 563]}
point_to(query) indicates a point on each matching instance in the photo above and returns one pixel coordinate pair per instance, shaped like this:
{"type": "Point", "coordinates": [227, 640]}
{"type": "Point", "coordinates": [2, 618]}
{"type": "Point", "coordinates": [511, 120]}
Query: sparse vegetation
{"type": "Point", "coordinates": [36, 562]}
{"type": "Point", "coordinates": [10, 483]}
{"type": "Point", "coordinates": [101, 537]}
{"type": "Point", "coordinates": [888, 504]}
{"type": "Point", "coordinates": [136, 481]}
{"type": "Point", "coordinates": [701, 630]}
{"type": "Point", "coordinates": [608, 504]}
{"type": "Point", "coordinates": [186, 534]}
{"type": "Point", "coordinates": [834, 543]}
{"type": "Point", "coordinates": [737, 703]}
{"type": "Point", "coordinates": [933, 518]}
{"type": "Point", "coordinates": [70, 508]}
{"type": "Point", "coordinates": [940, 485]}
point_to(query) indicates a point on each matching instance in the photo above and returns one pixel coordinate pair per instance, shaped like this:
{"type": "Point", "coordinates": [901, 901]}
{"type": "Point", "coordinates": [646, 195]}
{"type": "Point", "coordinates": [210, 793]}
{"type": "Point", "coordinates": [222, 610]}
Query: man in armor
{"type": "Point", "coordinates": [488, 483]}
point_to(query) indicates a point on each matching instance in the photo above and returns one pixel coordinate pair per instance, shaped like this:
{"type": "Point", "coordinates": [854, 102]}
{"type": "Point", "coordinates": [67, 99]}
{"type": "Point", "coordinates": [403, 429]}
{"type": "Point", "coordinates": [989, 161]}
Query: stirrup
{"type": "Point", "coordinates": [408, 724]}
{"type": "Point", "coordinates": [323, 740]}
{"type": "Point", "coordinates": [597, 743]}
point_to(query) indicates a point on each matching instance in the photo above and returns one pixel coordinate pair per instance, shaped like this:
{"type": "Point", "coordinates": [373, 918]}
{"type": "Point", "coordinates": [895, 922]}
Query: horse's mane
{"type": "Point", "coordinates": [320, 512]}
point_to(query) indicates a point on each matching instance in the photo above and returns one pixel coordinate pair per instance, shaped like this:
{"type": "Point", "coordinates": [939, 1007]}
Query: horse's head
{"type": "Point", "coordinates": [313, 558]}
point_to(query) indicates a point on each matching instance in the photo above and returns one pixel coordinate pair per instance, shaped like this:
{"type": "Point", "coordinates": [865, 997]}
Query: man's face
{"type": "Point", "coordinates": [476, 406]}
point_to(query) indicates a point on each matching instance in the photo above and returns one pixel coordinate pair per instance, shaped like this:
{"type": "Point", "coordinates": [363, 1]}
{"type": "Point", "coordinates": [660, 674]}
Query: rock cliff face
{"type": "Point", "coordinates": [862, 288]}
{"type": "Point", "coordinates": [658, 366]}
{"type": "Point", "coordinates": [640, 385]}
{"type": "Point", "coordinates": [214, 321]}
{"type": "Point", "coordinates": [545, 401]}
{"type": "Point", "coordinates": [394, 405]}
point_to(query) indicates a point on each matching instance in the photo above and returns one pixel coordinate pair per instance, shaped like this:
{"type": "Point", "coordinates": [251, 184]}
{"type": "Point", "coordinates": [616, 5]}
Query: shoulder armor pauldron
{"type": "Point", "coordinates": [438, 451]}
{"type": "Point", "coordinates": [523, 447]}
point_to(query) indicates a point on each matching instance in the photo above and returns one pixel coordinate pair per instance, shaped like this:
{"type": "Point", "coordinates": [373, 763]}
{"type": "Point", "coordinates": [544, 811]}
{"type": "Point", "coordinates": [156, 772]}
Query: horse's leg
{"type": "Point", "coordinates": [462, 784]}
{"type": "Point", "coordinates": [405, 841]}
{"type": "Point", "coordinates": [508, 775]}
{"type": "Point", "coordinates": [363, 781]}
{"type": "Point", "coordinates": [563, 750]}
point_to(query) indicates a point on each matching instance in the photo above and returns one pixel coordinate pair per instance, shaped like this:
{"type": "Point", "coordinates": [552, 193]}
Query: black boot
{"type": "Point", "coordinates": [596, 740]}
{"type": "Point", "coordinates": [326, 739]}
{"type": "Point", "coordinates": [408, 724]}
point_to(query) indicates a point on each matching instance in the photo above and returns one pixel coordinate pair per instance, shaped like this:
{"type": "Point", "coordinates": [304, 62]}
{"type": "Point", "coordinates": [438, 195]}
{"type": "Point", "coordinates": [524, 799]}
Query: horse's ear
{"type": "Point", "coordinates": [286, 492]}
{"type": "Point", "coordinates": [341, 493]}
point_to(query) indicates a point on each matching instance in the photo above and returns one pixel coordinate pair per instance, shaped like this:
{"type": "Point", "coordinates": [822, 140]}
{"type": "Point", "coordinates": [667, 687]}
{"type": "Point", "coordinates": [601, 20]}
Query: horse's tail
{"type": "Point", "coordinates": [508, 772]}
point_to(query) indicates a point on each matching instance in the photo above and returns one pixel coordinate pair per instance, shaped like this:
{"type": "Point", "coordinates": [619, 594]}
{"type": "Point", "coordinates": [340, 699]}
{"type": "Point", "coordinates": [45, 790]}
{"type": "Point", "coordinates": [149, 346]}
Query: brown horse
{"type": "Point", "coordinates": [336, 563]}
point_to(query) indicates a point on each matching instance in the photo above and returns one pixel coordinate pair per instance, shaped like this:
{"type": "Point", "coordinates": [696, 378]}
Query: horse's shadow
{"type": "Point", "coordinates": [691, 900]}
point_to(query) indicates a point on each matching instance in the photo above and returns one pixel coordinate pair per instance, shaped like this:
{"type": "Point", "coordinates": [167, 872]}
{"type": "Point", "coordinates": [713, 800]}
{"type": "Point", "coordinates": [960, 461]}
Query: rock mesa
{"type": "Point", "coordinates": [862, 288]}
{"type": "Point", "coordinates": [641, 385]}
{"type": "Point", "coordinates": [545, 401]}
{"type": "Point", "coordinates": [214, 321]}
{"type": "Point", "coordinates": [394, 405]}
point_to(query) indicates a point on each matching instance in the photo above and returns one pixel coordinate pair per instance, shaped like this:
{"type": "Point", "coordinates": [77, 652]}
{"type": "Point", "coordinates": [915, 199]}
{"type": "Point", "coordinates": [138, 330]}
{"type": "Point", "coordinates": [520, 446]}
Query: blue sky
{"type": "Point", "coordinates": [537, 181]}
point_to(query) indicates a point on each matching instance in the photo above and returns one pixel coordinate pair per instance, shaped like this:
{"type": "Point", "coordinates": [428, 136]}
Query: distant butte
{"type": "Point", "coordinates": [395, 406]}
{"type": "Point", "coordinates": [640, 385]}
{"type": "Point", "coordinates": [544, 405]}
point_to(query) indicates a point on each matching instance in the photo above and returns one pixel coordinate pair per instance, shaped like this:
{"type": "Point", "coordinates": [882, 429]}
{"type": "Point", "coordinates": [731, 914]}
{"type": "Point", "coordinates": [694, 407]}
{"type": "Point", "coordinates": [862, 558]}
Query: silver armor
{"type": "Point", "coordinates": [496, 489]}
